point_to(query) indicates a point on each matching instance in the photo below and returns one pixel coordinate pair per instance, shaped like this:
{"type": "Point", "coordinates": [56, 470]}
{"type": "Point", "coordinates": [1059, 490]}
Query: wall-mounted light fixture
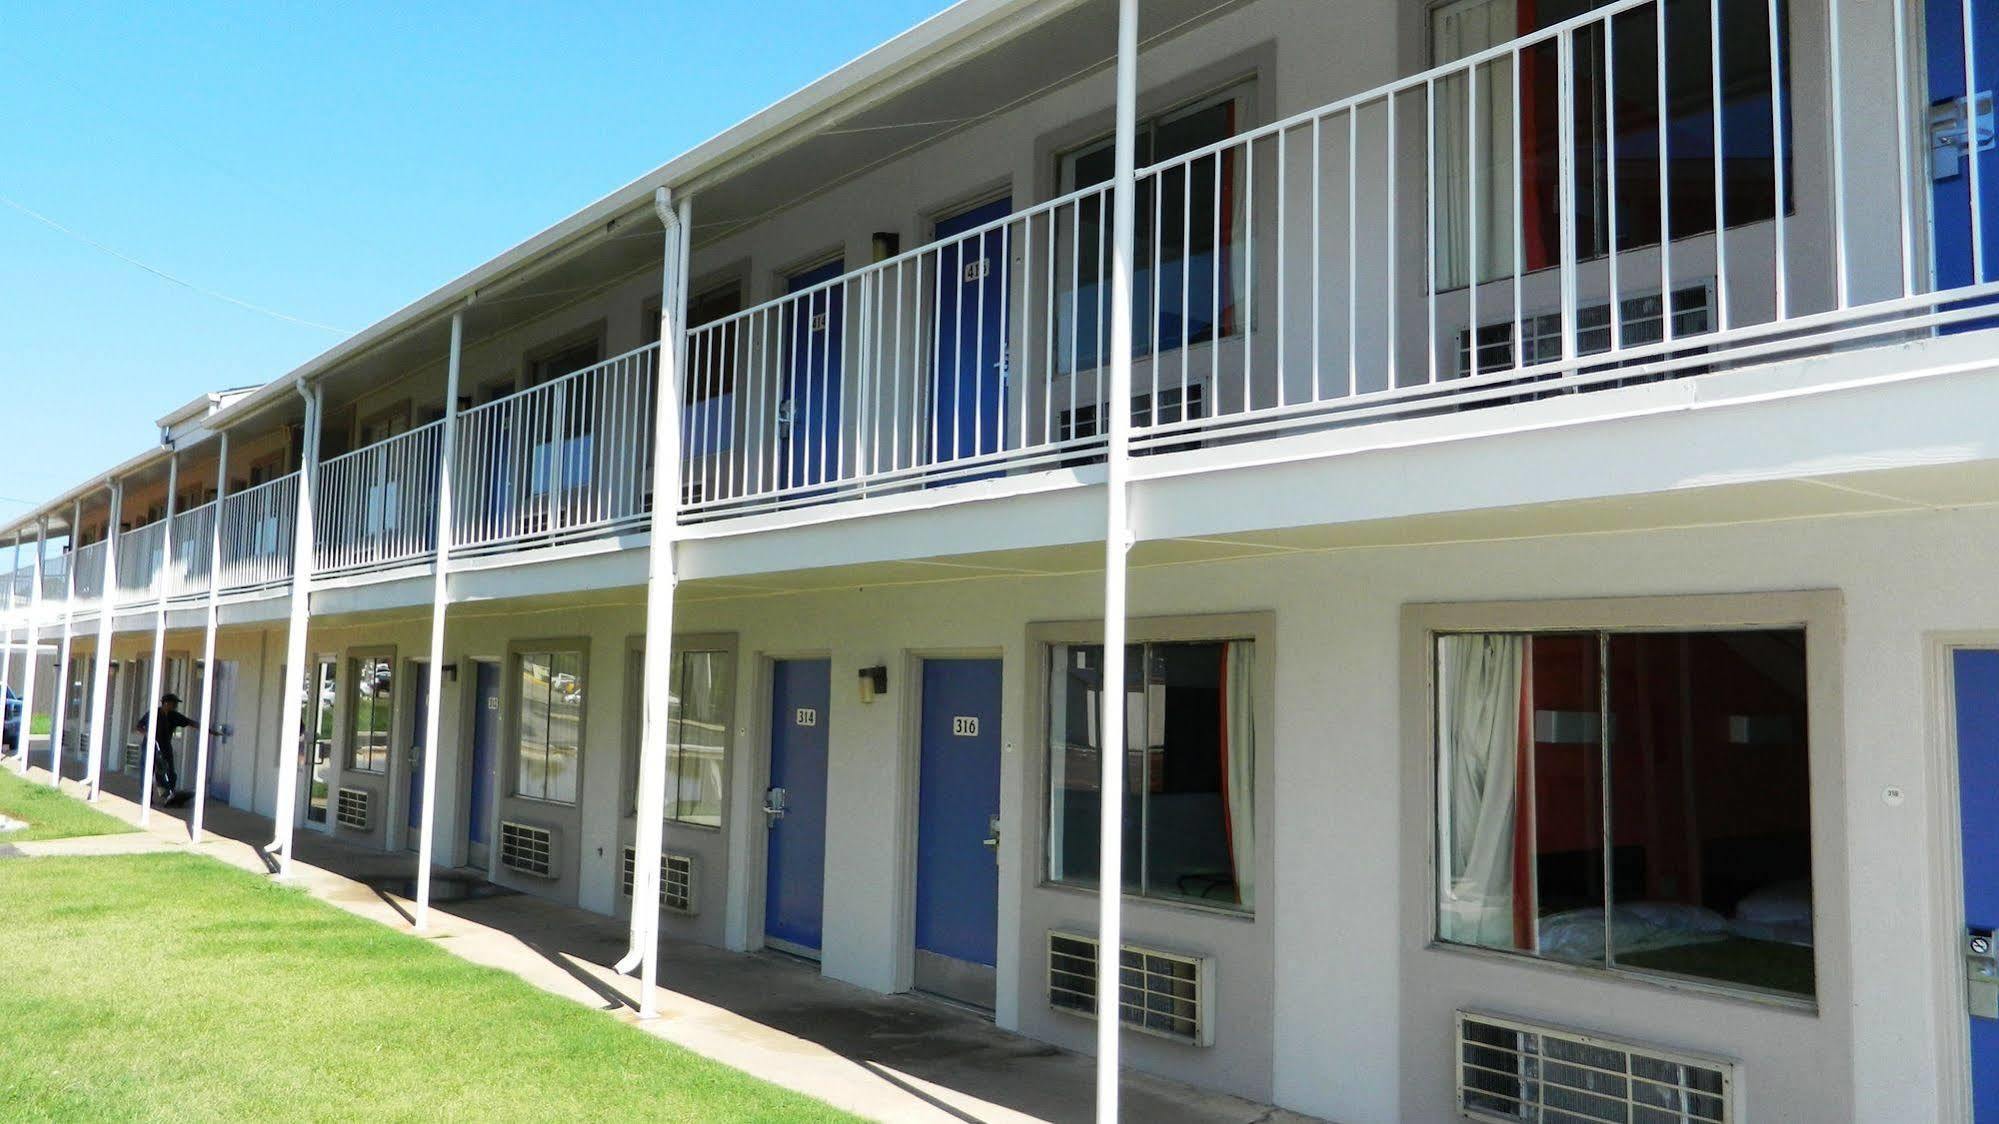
{"type": "Point", "coordinates": [874, 681]}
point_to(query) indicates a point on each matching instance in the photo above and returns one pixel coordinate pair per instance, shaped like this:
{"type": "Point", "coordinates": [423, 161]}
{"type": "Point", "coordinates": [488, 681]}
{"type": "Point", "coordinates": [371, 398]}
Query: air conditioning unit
{"type": "Point", "coordinates": [527, 849]}
{"type": "Point", "coordinates": [1166, 994]}
{"type": "Point", "coordinates": [1642, 321]}
{"type": "Point", "coordinates": [135, 758]}
{"type": "Point", "coordinates": [351, 808]}
{"type": "Point", "coordinates": [676, 880]}
{"type": "Point", "coordinates": [1511, 1071]}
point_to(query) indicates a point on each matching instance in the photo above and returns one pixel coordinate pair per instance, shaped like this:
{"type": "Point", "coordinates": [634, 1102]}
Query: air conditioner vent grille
{"type": "Point", "coordinates": [1515, 1071]}
{"type": "Point", "coordinates": [1161, 993]}
{"type": "Point", "coordinates": [351, 807]}
{"type": "Point", "coordinates": [527, 849]}
{"type": "Point", "coordinates": [676, 879]}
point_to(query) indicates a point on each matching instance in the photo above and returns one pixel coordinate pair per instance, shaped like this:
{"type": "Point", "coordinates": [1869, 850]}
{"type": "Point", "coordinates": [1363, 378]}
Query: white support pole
{"type": "Point", "coordinates": [661, 580]}
{"type": "Point", "coordinates": [7, 657]}
{"type": "Point", "coordinates": [34, 646]}
{"type": "Point", "coordinates": [59, 715]}
{"type": "Point", "coordinates": [1117, 541]}
{"type": "Point", "coordinates": [159, 641]}
{"type": "Point", "coordinates": [207, 727]}
{"type": "Point", "coordinates": [439, 591]}
{"type": "Point", "coordinates": [100, 686]}
{"type": "Point", "coordinates": [292, 709]}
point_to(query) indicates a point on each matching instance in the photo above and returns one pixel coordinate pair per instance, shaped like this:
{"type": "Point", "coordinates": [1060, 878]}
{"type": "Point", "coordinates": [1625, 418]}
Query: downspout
{"type": "Point", "coordinates": [661, 579]}
{"type": "Point", "coordinates": [160, 578]}
{"type": "Point", "coordinates": [100, 686]}
{"type": "Point", "coordinates": [59, 718]}
{"type": "Point", "coordinates": [207, 728]}
{"type": "Point", "coordinates": [439, 593]}
{"type": "Point", "coordinates": [33, 656]}
{"type": "Point", "coordinates": [292, 709]}
{"type": "Point", "coordinates": [1117, 544]}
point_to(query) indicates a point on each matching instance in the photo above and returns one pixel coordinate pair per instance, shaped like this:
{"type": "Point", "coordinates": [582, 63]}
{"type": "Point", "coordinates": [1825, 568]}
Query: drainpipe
{"type": "Point", "coordinates": [34, 647]}
{"type": "Point", "coordinates": [292, 712]}
{"type": "Point", "coordinates": [1117, 542]}
{"type": "Point", "coordinates": [100, 687]}
{"type": "Point", "coordinates": [7, 656]}
{"type": "Point", "coordinates": [439, 589]}
{"type": "Point", "coordinates": [59, 719]}
{"type": "Point", "coordinates": [159, 639]}
{"type": "Point", "coordinates": [205, 732]}
{"type": "Point", "coordinates": [661, 579]}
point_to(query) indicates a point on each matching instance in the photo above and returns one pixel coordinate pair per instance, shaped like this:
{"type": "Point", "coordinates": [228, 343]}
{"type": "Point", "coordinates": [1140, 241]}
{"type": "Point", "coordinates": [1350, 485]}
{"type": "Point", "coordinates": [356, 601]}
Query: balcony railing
{"type": "Point", "coordinates": [566, 460]}
{"type": "Point", "coordinates": [187, 577]}
{"type": "Point", "coordinates": [1651, 190]}
{"type": "Point", "coordinates": [376, 506]}
{"type": "Point", "coordinates": [139, 557]}
{"type": "Point", "coordinates": [89, 563]}
{"type": "Point", "coordinates": [1648, 191]}
{"type": "Point", "coordinates": [258, 529]}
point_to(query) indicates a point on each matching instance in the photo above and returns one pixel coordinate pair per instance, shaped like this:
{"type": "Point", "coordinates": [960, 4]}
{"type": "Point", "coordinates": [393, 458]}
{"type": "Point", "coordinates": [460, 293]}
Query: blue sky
{"type": "Point", "coordinates": [330, 161]}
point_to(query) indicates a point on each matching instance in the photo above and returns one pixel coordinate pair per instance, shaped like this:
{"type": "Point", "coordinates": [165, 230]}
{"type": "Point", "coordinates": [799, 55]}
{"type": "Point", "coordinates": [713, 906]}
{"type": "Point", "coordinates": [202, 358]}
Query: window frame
{"type": "Point", "coordinates": [1258, 627]}
{"type": "Point", "coordinates": [578, 646]}
{"type": "Point", "coordinates": [347, 724]}
{"type": "Point", "coordinates": [634, 719]}
{"type": "Point", "coordinates": [1819, 613]}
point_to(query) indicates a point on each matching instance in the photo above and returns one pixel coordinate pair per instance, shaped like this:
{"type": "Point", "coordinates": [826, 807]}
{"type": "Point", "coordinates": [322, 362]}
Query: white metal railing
{"type": "Point", "coordinates": [187, 576]}
{"type": "Point", "coordinates": [377, 505]}
{"type": "Point", "coordinates": [258, 525]}
{"type": "Point", "coordinates": [89, 563]}
{"type": "Point", "coordinates": [1642, 192]}
{"type": "Point", "coordinates": [139, 562]}
{"type": "Point", "coordinates": [55, 577]}
{"type": "Point", "coordinates": [950, 362]}
{"type": "Point", "coordinates": [565, 460]}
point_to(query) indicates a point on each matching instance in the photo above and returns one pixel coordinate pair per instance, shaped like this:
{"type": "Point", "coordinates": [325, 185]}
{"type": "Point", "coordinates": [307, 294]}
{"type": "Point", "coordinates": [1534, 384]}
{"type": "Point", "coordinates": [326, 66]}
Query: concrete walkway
{"type": "Point", "coordinates": [891, 1058]}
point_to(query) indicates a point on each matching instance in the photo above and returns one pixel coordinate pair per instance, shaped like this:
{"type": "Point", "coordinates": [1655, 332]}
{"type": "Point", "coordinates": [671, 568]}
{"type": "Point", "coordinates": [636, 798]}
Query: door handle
{"type": "Point", "coordinates": [992, 839]}
{"type": "Point", "coordinates": [1981, 975]}
{"type": "Point", "coordinates": [774, 803]}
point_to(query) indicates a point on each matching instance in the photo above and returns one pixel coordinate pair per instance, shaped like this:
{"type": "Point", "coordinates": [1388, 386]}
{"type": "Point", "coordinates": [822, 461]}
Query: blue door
{"type": "Point", "coordinates": [1950, 170]}
{"type": "Point", "coordinates": [485, 751]}
{"type": "Point", "coordinates": [1977, 690]}
{"type": "Point", "coordinates": [957, 829]}
{"type": "Point", "coordinates": [419, 719]}
{"type": "Point", "coordinates": [795, 804]}
{"type": "Point", "coordinates": [969, 378]}
{"type": "Point", "coordinates": [809, 416]}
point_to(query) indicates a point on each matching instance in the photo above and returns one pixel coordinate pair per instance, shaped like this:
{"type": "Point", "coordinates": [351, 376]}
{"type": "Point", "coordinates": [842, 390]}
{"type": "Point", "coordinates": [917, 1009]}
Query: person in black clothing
{"type": "Point", "coordinates": [170, 721]}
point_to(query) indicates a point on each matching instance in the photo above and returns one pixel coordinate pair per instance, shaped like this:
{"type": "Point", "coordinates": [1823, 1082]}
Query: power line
{"type": "Point", "coordinates": [165, 276]}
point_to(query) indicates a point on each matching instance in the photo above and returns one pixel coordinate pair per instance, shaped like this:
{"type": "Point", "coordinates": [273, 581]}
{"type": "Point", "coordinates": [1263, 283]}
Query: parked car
{"type": "Point", "coordinates": [10, 733]}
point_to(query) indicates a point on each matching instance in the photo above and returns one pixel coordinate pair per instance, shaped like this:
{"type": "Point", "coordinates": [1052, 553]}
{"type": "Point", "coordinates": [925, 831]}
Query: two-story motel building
{"type": "Point", "coordinates": [1559, 469]}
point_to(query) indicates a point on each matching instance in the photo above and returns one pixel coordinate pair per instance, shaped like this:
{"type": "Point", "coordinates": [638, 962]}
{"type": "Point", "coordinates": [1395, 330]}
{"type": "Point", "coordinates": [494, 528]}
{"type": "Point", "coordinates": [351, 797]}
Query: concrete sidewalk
{"type": "Point", "coordinates": [890, 1058]}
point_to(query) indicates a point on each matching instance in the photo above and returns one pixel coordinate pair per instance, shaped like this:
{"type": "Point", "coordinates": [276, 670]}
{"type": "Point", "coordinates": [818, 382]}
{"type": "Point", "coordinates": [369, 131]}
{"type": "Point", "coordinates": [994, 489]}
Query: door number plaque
{"type": "Point", "coordinates": [965, 726]}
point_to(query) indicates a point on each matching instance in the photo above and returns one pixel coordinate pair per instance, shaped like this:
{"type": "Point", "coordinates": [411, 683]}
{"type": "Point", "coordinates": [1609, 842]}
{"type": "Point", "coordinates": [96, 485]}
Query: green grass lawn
{"type": "Point", "coordinates": [49, 814]}
{"type": "Point", "coordinates": [172, 987]}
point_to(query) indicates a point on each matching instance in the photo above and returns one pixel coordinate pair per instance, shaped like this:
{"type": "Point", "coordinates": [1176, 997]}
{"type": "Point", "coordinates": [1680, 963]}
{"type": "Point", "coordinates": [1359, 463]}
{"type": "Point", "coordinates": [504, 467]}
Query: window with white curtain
{"type": "Point", "coordinates": [697, 734]}
{"type": "Point", "coordinates": [1190, 769]}
{"type": "Point", "coordinates": [1636, 801]}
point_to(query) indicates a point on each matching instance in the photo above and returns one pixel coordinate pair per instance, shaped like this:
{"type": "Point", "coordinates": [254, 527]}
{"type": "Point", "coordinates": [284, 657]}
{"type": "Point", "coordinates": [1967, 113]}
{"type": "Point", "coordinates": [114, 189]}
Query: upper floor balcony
{"type": "Point", "coordinates": [1556, 204]}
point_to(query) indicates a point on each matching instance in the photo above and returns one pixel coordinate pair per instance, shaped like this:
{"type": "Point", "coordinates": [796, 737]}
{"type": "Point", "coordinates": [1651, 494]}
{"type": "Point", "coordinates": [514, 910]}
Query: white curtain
{"type": "Point", "coordinates": [1458, 30]}
{"type": "Point", "coordinates": [1239, 762]}
{"type": "Point", "coordinates": [1478, 727]}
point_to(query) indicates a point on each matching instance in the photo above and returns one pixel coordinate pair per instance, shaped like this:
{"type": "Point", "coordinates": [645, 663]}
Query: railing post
{"type": "Point", "coordinates": [34, 644]}
{"type": "Point", "coordinates": [661, 580]}
{"type": "Point", "coordinates": [1117, 542]}
{"type": "Point", "coordinates": [7, 658]}
{"type": "Point", "coordinates": [59, 714]}
{"type": "Point", "coordinates": [439, 591]}
{"type": "Point", "coordinates": [292, 705]}
{"type": "Point", "coordinates": [162, 588]}
{"type": "Point", "coordinates": [207, 728]}
{"type": "Point", "coordinates": [100, 688]}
